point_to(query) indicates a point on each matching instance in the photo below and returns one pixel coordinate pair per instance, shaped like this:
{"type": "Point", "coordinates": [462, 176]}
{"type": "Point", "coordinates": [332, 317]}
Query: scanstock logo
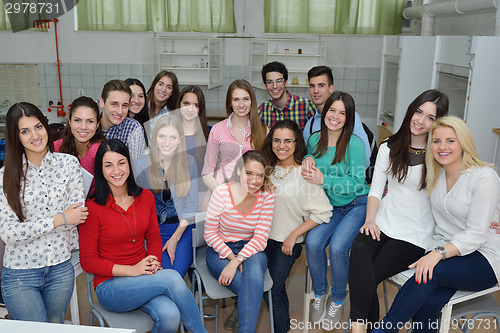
{"type": "Point", "coordinates": [26, 14]}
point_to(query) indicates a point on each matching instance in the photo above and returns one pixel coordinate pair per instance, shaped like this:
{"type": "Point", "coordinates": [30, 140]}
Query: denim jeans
{"type": "Point", "coordinates": [338, 234]}
{"type": "Point", "coordinates": [164, 296]}
{"type": "Point", "coordinates": [280, 265]}
{"type": "Point", "coordinates": [38, 294]}
{"type": "Point", "coordinates": [249, 285]}
{"type": "Point", "coordinates": [423, 302]}
{"type": "Point", "coordinates": [184, 250]}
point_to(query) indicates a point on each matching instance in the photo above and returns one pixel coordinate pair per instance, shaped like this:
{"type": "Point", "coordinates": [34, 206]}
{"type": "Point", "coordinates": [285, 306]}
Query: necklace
{"type": "Point", "coordinates": [286, 174]}
{"type": "Point", "coordinates": [417, 151]}
{"type": "Point", "coordinates": [135, 223]}
{"type": "Point", "coordinates": [240, 128]}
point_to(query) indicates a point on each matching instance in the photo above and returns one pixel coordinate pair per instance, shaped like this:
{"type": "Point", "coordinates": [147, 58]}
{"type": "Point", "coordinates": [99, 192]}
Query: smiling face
{"type": "Point", "coordinates": [423, 119]}
{"type": "Point", "coordinates": [446, 149]}
{"type": "Point", "coordinates": [83, 124]}
{"type": "Point", "coordinates": [137, 100]}
{"type": "Point", "coordinates": [115, 169]}
{"type": "Point", "coordinates": [284, 145]}
{"type": "Point", "coordinates": [33, 136]}
{"type": "Point", "coordinates": [252, 176]}
{"type": "Point", "coordinates": [274, 87]}
{"type": "Point", "coordinates": [114, 109]}
{"type": "Point", "coordinates": [163, 90]}
{"type": "Point", "coordinates": [335, 116]}
{"type": "Point", "coordinates": [190, 106]}
{"type": "Point", "coordinates": [241, 102]}
{"type": "Point", "coordinates": [320, 90]}
{"type": "Point", "coordinates": [167, 140]}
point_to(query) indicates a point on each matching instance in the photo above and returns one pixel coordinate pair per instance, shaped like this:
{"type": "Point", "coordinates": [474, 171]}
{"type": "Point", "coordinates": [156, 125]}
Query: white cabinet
{"type": "Point", "coordinates": [197, 61]}
{"type": "Point", "coordinates": [466, 69]}
{"type": "Point", "coordinates": [298, 55]}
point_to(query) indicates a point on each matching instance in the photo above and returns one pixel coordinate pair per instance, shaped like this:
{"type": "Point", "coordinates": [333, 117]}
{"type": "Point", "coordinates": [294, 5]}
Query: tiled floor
{"type": "Point", "coordinates": [295, 287]}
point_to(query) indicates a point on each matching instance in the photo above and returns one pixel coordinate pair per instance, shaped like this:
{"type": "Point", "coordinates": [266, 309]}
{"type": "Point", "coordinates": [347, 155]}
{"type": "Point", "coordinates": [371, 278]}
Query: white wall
{"type": "Point", "coordinates": [135, 47]}
{"type": "Point", "coordinates": [478, 23]}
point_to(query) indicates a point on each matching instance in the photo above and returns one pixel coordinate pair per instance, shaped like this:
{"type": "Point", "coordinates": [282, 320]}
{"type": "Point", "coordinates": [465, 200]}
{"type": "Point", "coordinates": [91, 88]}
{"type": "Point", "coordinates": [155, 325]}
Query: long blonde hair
{"type": "Point", "coordinates": [470, 157]}
{"type": "Point", "coordinates": [178, 171]}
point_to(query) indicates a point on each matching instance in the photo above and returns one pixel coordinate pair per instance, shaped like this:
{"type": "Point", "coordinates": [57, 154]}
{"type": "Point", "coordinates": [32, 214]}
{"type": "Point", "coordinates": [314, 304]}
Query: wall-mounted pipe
{"type": "Point", "coordinates": [427, 11]}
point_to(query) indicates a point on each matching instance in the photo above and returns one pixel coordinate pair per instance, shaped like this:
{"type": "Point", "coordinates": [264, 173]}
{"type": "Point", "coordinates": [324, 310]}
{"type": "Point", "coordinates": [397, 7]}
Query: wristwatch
{"type": "Point", "coordinates": [442, 250]}
{"type": "Point", "coordinates": [240, 258]}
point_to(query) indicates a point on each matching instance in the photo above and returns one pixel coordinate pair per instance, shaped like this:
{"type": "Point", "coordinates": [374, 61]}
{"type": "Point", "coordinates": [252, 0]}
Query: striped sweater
{"type": "Point", "coordinates": [225, 223]}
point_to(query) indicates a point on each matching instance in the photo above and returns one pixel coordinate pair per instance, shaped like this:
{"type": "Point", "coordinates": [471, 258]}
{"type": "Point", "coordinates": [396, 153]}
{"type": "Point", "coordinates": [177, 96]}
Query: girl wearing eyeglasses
{"type": "Point", "coordinates": [299, 207]}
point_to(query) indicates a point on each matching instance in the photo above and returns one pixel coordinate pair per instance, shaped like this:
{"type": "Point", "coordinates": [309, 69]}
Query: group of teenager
{"type": "Point", "coordinates": [266, 176]}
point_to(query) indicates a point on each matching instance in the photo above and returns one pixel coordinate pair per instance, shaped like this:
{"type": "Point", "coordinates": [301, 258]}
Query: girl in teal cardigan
{"type": "Point", "coordinates": [336, 162]}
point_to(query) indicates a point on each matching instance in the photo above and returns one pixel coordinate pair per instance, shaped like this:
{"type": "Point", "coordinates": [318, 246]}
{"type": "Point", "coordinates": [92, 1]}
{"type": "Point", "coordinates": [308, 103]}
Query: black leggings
{"type": "Point", "coordinates": [371, 262]}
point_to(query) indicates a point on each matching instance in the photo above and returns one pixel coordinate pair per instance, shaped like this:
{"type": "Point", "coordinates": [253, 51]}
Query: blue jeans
{"type": "Point", "coordinates": [164, 296]}
{"type": "Point", "coordinates": [249, 285]}
{"type": "Point", "coordinates": [184, 250]}
{"type": "Point", "coordinates": [423, 302]}
{"type": "Point", "coordinates": [338, 234]}
{"type": "Point", "coordinates": [38, 294]}
{"type": "Point", "coordinates": [280, 265]}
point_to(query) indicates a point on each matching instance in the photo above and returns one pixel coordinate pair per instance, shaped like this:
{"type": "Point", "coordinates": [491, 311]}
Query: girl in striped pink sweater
{"type": "Point", "coordinates": [237, 227]}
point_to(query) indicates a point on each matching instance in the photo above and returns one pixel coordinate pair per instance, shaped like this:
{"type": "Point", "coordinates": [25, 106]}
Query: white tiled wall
{"type": "Point", "coordinates": [361, 83]}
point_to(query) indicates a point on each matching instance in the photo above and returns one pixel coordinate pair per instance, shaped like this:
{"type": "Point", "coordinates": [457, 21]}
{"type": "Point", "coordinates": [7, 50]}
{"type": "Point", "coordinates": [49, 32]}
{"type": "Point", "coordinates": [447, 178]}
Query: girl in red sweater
{"type": "Point", "coordinates": [128, 275]}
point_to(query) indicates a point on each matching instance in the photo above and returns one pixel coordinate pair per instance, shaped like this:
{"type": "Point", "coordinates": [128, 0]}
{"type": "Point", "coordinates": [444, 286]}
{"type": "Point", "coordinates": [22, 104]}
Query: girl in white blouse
{"type": "Point", "coordinates": [41, 197]}
{"type": "Point", "coordinates": [398, 226]}
{"type": "Point", "coordinates": [465, 253]}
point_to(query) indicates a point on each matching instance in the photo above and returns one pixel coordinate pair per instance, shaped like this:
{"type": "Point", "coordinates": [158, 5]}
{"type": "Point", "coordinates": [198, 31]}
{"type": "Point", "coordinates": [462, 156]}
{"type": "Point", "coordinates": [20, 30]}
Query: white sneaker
{"type": "Point", "coordinates": [318, 309]}
{"type": "Point", "coordinates": [333, 315]}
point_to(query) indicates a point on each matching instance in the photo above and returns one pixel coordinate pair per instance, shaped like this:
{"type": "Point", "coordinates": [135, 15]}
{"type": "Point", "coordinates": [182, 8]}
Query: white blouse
{"type": "Point", "coordinates": [49, 190]}
{"type": "Point", "coordinates": [464, 214]}
{"type": "Point", "coordinates": [405, 212]}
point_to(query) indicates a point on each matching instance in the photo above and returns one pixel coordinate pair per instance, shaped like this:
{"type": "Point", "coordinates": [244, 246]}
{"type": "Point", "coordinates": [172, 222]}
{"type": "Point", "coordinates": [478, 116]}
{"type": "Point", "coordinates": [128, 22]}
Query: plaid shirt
{"type": "Point", "coordinates": [131, 134]}
{"type": "Point", "coordinates": [297, 109]}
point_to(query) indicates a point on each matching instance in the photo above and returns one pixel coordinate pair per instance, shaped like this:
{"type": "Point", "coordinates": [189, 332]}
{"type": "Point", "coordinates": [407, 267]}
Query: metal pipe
{"type": "Point", "coordinates": [449, 7]}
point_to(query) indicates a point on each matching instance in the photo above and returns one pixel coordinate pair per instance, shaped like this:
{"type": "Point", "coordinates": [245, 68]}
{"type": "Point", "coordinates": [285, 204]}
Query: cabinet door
{"type": "Point", "coordinates": [258, 58]}
{"type": "Point", "coordinates": [215, 62]}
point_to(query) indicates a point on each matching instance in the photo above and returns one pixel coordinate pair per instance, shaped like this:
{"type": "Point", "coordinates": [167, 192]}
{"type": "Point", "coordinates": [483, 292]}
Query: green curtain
{"type": "Point", "coordinates": [23, 21]}
{"type": "Point", "coordinates": [367, 17]}
{"type": "Point", "coordinates": [117, 15]}
{"type": "Point", "coordinates": [143, 15]}
{"type": "Point", "coordinates": [198, 15]}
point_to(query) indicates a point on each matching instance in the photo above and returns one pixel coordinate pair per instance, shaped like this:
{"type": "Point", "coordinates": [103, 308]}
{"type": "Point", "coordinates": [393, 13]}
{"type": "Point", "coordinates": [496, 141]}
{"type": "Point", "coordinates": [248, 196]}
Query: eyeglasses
{"type": "Point", "coordinates": [286, 141]}
{"type": "Point", "coordinates": [278, 82]}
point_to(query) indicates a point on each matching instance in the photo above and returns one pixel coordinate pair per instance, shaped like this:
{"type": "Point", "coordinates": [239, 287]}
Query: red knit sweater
{"type": "Point", "coordinates": [106, 239]}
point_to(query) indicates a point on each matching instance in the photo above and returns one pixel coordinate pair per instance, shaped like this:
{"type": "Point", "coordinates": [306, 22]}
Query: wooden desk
{"type": "Point", "coordinates": [30, 326]}
{"type": "Point", "coordinates": [497, 132]}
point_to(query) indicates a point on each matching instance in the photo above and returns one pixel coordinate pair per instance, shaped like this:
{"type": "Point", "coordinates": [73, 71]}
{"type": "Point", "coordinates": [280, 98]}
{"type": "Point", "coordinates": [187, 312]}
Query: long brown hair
{"type": "Point", "coordinates": [178, 171]}
{"type": "Point", "coordinates": [345, 135]}
{"type": "Point", "coordinates": [68, 145]}
{"type": "Point", "coordinates": [400, 142]}
{"type": "Point", "coordinates": [257, 127]}
{"type": "Point", "coordinates": [14, 174]}
{"type": "Point", "coordinates": [171, 101]}
{"type": "Point", "coordinates": [201, 131]}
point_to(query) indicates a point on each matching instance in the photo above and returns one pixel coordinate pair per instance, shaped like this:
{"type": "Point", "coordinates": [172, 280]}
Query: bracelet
{"type": "Point", "coordinates": [65, 220]}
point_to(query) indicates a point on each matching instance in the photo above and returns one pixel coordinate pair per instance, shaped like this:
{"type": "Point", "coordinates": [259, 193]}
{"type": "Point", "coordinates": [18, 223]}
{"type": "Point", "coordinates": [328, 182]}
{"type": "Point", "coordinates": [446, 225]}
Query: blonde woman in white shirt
{"type": "Point", "coordinates": [300, 206]}
{"type": "Point", "coordinates": [40, 197]}
{"type": "Point", "coordinates": [465, 254]}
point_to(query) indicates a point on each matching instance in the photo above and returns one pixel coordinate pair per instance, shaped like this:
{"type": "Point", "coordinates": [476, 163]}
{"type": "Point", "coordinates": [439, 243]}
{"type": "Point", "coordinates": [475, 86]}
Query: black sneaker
{"type": "Point", "coordinates": [231, 320]}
